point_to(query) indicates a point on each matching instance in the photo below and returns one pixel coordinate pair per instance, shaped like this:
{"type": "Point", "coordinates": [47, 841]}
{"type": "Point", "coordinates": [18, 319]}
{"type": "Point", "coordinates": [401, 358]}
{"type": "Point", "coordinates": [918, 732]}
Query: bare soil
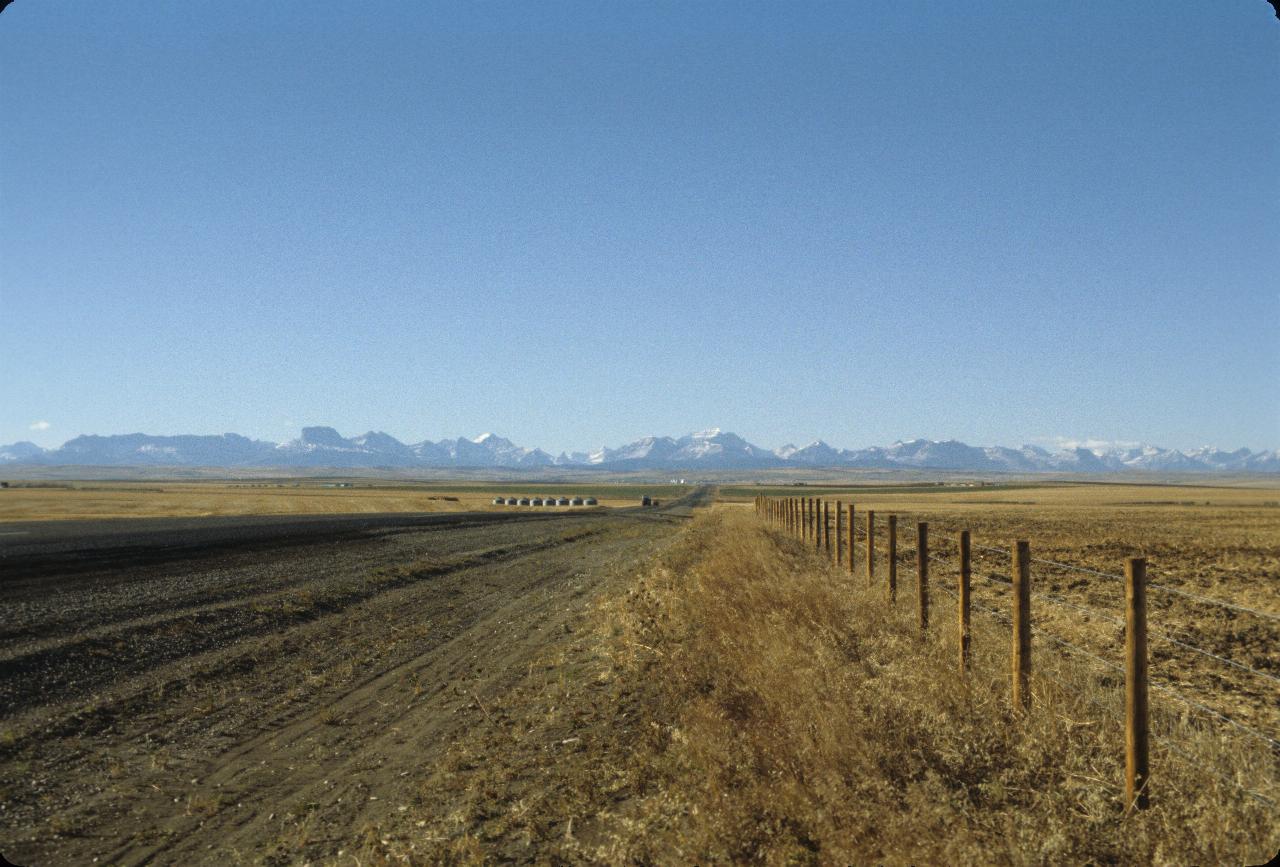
{"type": "Point", "coordinates": [280, 705]}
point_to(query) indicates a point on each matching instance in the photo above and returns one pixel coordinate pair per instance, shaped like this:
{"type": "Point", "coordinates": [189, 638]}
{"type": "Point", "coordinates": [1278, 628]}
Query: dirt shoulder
{"type": "Point", "coordinates": [283, 708]}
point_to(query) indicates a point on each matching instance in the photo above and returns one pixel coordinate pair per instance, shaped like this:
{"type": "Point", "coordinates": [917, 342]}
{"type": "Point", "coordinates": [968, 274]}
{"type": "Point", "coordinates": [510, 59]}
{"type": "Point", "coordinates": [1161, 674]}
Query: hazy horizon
{"type": "Point", "coordinates": [578, 225]}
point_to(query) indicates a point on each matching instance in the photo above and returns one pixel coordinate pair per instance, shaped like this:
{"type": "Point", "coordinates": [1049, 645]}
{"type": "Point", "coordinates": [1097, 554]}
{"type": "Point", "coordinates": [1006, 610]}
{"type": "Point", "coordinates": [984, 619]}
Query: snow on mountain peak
{"type": "Point", "coordinates": [714, 449]}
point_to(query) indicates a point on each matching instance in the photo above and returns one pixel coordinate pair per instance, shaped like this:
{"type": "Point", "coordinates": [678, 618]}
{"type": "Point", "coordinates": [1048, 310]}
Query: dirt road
{"type": "Point", "coordinates": [270, 696]}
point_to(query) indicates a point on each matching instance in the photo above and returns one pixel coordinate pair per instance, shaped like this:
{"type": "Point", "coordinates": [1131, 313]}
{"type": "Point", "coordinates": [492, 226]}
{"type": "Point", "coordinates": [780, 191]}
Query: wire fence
{"type": "Point", "coordinates": [810, 519]}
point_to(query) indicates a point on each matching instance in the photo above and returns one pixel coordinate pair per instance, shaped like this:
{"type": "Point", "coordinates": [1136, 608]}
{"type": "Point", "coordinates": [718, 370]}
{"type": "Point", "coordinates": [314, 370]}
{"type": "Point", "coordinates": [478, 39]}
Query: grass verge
{"type": "Point", "coordinates": [746, 702]}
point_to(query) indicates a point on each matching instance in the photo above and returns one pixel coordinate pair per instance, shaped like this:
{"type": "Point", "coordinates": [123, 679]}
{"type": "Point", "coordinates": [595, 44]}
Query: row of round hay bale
{"type": "Point", "coordinates": [545, 501]}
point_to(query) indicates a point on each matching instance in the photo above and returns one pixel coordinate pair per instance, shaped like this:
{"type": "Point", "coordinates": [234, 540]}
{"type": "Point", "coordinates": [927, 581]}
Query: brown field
{"type": "Point", "coordinates": [747, 701]}
{"type": "Point", "coordinates": [640, 688]}
{"type": "Point", "coordinates": [1218, 542]}
{"type": "Point", "coordinates": [49, 501]}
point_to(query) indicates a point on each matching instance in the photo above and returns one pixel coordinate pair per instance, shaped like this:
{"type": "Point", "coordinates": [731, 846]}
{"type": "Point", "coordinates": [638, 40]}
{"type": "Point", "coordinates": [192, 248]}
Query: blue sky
{"type": "Point", "coordinates": [580, 223]}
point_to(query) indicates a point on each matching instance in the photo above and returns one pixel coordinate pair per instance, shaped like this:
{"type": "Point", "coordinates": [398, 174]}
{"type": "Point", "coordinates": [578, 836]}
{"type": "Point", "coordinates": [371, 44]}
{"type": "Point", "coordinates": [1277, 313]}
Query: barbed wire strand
{"type": "Point", "coordinates": [1218, 714]}
{"type": "Point", "coordinates": [1154, 684]}
{"type": "Point", "coordinates": [1159, 636]}
{"type": "Point", "coordinates": [1207, 600]}
{"type": "Point", "coordinates": [1000, 616]}
{"type": "Point", "coordinates": [1103, 615]}
{"type": "Point", "coordinates": [1168, 745]}
{"type": "Point", "coordinates": [1165, 689]}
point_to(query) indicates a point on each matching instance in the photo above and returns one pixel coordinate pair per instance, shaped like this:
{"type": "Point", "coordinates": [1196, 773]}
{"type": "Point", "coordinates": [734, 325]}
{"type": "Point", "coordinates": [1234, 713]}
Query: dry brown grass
{"type": "Point", "coordinates": [805, 720]}
{"type": "Point", "coordinates": [1221, 543]}
{"type": "Point", "coordinates": [745, 702]}
{"type": "Point", "coordinates": [95, 500]}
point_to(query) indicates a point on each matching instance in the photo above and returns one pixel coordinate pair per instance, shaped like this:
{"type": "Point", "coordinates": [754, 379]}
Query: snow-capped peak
{"type": "Point", "coordinates": [709, 433]}
{"type": "Point", "coordinates": [482, 438]}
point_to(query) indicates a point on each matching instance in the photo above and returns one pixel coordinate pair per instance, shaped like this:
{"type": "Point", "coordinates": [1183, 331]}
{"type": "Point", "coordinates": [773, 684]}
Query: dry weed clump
{"type": "Point", "coordinates": [801, 719]}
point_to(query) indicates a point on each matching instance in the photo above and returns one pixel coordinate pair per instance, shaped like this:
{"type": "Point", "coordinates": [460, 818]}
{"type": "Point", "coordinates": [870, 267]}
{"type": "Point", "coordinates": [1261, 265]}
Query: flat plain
{"type": "Point", "coordinates": [466, 684]}
{"type": "Point", "coordinates": [1218, 542]}
{"type": "Point", "coordinates": [89, 500]}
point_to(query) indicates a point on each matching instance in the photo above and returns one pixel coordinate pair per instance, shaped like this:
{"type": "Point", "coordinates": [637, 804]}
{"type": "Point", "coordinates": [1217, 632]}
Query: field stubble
{"type": "Point", "coordinates": [747, 701]}
{"type": "Point", "coordinates": [48, 501]}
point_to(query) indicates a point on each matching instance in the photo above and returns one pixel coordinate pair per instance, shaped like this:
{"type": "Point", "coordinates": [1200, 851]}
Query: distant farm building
{"type": "Point", "coordinates": [591, 501]}
{"type": "Point", "coordinates": [577, 501]}
{"type": "Point", "coordinates": [645, 501]}
{"type": "Point", "coordinates": [499, 501]}
{"type": "Point", "coordinates": [563, 501]}
{"type": "Point", "coordinates": [524, 501]}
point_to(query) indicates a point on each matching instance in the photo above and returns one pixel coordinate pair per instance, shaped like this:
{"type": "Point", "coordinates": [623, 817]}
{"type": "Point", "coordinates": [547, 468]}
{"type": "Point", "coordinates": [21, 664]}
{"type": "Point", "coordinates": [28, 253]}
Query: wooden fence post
{"type": "Point", "coordinates": [851, 535]}
{"type": "Point", "coordinates": [962, 599]}
{"type": "Point", "coordinates": [871, 546]}
{"type": "Point", "coordinates": [1136, 760]}
{"type": "Point", "coordinates": [1022, 624]}
{"type": "Point", "coordinates": [817, 525]}
{"type": "Point", "coordinates": [922, 573]}
{"type": "Point", "coordinates": [893, 559]}
{"type": "Point", "coordinates": [826, 526]}
{"type": "Point", "coordinates": [836, 559]}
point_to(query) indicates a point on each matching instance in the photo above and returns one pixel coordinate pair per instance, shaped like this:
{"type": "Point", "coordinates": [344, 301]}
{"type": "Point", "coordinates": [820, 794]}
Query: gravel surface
{"type": "Point", "coordinates": [268, 690]}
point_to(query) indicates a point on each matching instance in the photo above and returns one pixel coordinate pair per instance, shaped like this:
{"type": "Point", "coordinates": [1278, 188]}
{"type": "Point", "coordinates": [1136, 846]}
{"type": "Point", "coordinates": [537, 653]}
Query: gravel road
{"type": "Point", "coordinates": [266, 690]}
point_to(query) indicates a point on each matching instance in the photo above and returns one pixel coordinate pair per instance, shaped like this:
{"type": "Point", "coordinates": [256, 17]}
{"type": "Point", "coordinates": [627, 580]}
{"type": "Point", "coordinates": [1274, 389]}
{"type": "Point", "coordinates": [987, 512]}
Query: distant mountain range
{"type": "Point", "coordinates": [711, 449]}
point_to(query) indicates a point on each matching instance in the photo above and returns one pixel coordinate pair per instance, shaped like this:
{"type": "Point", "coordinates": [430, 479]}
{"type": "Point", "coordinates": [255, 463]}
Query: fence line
{"type": "Point", "coordinates": [1099, 613]}
{"type": "Point", "coordinates": [817, 528]}
{"type": "Point", "coordinates": [1163, 588]}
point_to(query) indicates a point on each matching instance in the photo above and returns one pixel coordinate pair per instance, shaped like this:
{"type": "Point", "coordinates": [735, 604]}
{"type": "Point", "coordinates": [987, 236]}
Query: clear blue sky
{"type": "Point", "coordinates": [579, 223]}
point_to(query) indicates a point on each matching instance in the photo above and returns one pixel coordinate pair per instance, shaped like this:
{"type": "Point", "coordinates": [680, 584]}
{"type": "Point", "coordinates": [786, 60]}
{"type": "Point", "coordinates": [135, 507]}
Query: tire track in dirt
{"type": "Point", "coordinates": [292, 742]}
{"type": "Point", "coordinates": [131, 647]}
